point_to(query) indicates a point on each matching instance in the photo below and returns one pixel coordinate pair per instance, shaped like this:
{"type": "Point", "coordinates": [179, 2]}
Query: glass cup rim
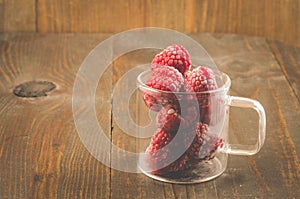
{"type": "Point", "coordinates": [225, 87]}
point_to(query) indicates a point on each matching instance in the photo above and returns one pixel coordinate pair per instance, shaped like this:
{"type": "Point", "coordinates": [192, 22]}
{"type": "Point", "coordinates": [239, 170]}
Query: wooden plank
{"type": "Point", "coordinates": [289, 61]}
{"type": "Point", "coordinates": [271, 19]}
{"type": "Point", "coordinates": [167, 14]}
{"type": "Point", "coordinates": [18, 15]}
{"type": "Point", "coordinates": [255, 73]}
{"type": "Point", "coordinates": [41, 154]}
{"type": "Point", "coordinates": [90, 16]}
{"type": "Point", "coordinates": [1, 16]}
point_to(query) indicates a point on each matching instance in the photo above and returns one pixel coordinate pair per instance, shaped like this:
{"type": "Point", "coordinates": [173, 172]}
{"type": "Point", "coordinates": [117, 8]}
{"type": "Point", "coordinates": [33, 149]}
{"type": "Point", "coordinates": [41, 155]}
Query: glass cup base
{"type": "Point", "coordinates": [200, 172]}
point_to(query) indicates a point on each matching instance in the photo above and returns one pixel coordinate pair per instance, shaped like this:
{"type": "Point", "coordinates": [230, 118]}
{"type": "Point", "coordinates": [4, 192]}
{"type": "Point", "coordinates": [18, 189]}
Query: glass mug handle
{"type": "Point", "coordinates": [239, 149]}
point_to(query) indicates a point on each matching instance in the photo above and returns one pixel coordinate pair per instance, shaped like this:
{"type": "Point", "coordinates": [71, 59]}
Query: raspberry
{"type": "Point", "coordinates": [204, 145]}
{"type": "Point", "coordinates": [168, 119]}
{"type": "Point", "coordinates": [209, 147]}
{"type": "Point", "coordinates": [161, 156]}
{"type": "Point", "coordinates": [176, 56]}
{"type": "Point", "coordinates": [159, 140]}
{"type": "Point", "coordinates": [198, 133]}
{"type": "Point", "coordinates": [164, 79]}
{"type": "Point", "coordinates": [200, 79]}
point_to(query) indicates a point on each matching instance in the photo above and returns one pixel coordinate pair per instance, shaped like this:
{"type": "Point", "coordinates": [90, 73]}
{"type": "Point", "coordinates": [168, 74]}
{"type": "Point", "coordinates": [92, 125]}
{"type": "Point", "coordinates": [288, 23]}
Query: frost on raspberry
{"type": "Point", "coordinates": [164, 81]}
{"type": "Point", "coordinates": [176, 56]}
{"type": "Point", "coordinates": [199, 80]}
{"type": "Point", "coordinates": [161, 155]}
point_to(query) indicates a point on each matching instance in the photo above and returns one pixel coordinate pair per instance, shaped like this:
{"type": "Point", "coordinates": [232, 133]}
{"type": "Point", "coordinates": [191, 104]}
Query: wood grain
{"type": "Point", "coordinates": [289, 61]}
{"type": "Point", "coordinates": [89, 16]}
{"type": "Point", "coordinates": [1, 15]}
{"type": "Point", "coordinates": [18, 15]}
{"type": "Point", "coordinates": [42, 155]}
{"type": "Point", "coordinates": [267, 18]}
{"type": "Point", "coordinates": [256, 74]}
{"type": "Point", "coordinates": [272, 19]}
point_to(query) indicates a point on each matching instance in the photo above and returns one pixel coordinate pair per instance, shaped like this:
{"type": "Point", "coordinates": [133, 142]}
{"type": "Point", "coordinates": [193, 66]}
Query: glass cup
{"type": "Point", "coordinates": [183, 137]}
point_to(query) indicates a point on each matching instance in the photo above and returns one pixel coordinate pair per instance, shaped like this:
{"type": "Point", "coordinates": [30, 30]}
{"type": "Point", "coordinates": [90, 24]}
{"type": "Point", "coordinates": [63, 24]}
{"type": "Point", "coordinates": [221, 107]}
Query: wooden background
{"type": "Point", "coordinates": [273, 19]}
{"type": "Point", "coordinates": [42, 156]}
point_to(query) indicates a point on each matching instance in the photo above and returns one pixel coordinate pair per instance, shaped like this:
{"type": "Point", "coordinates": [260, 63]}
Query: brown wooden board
{"type": "Point", "coordinates": [267, 18]}
{"type": "Point", "coordinates": [289, 60]}
{"type": "Point", "coordinates": [18, 15]}
{"type": "Point", "coordinates": [89, 16]}
{"type": "Point", "coordinates": [272, 19]}
{"type": "Point", "coordinates": [42, 155]}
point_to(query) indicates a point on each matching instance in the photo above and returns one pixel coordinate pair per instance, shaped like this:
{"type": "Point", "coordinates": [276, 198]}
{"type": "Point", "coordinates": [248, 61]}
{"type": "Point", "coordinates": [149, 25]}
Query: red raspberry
{"type": "Point", "coordinates": [210, 145]}
{"type": "Point", "coordinates": [155, 101]}
{"type": "Point", "coordinates": [176, 56]}
{"type": "Point", "coordinates": [197, 134]}
{"type": "Point", "coordinates": [204, 145]}
{"type": "Point", "coordinates": [200, 79]}
{"type": "Point", "coordinates": [168, 119]}
{"type": "Point", "coordinates": [163, 79]}
{"type": "Point", "coordinates": [159, 140]}
{"type": "Point", "coordinates": [161, 156]}
{"type": "Point", "coordinates": [166, 79]}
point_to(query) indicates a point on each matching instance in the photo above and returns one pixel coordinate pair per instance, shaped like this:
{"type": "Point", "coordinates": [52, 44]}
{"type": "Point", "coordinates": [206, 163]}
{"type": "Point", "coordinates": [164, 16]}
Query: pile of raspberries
{"type": "Point", "coordinates": [183, 112]}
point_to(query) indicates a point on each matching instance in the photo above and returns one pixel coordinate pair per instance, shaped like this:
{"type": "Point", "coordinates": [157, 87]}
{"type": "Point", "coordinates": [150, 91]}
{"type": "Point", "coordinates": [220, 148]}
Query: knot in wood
{"type": "Point", "coordinates": [34, 89]}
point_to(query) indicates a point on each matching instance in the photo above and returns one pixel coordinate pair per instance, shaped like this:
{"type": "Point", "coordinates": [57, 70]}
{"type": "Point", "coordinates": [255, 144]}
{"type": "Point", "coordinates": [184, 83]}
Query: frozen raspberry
{"type": "Point", "coordinates": [159, 140]}
{"type": "Point", "coordinates": [197, 134]}
{"type": "Point", "coordinates": [204, 145]}
{"type": "Point", "coordinates": [200, 79]}
{"type": "Point", "coordinates": [161, 157]}
{"type": "Point", "coordinates": [168, 119]}
{"type": "Point", "coordinates": [155, 101]}
{"type": "Point", "coordinates": [166, 79]}
{"type": "Point", "coordinates": [176, 56]}
{"type": "Point", "coordinates": [163, 79]}
{"type": "Point", "coordinates": [210, 145]}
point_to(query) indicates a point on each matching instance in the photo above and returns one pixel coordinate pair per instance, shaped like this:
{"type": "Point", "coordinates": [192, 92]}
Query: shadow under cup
{"type": "Point", "coordinates": [183, 137]}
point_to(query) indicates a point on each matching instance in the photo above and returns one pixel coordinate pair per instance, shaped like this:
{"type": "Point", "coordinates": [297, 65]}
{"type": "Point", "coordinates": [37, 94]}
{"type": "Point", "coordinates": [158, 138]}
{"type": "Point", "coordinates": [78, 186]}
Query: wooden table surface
{"type": "Point", "coordinates": [42, 156]}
